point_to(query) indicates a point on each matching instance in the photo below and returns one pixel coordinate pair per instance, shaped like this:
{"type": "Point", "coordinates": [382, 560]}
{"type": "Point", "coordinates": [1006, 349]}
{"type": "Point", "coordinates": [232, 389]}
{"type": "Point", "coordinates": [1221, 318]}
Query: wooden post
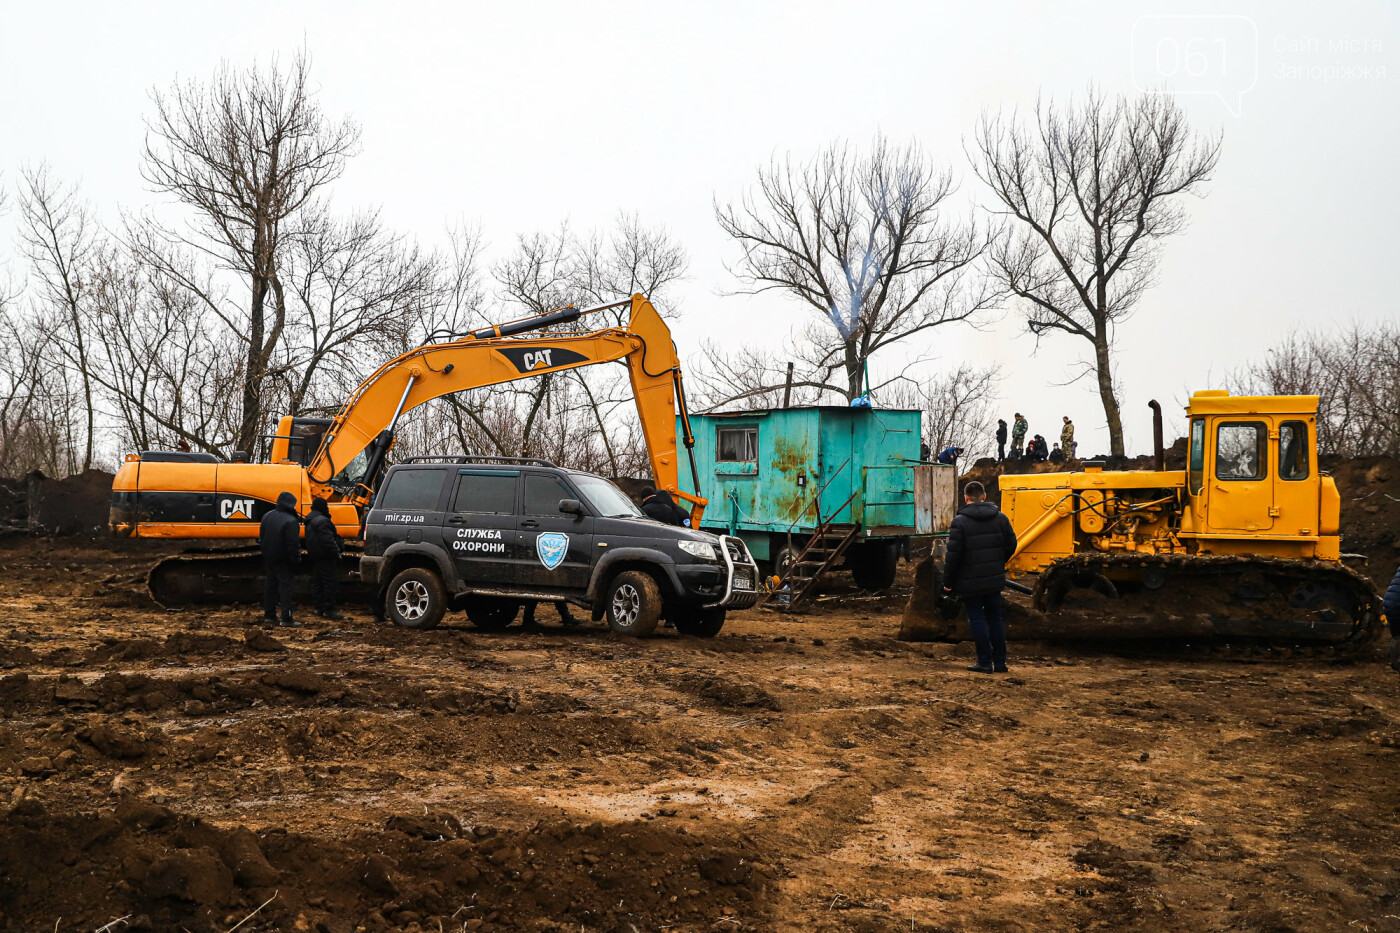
{"type": "Point", "coordinates": [787, 389]}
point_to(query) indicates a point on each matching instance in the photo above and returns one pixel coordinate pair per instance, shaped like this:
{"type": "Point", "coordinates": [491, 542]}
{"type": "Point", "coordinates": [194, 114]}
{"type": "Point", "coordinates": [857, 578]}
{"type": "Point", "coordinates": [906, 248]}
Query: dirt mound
{"type": "Point", "coordinates": [165, 871]}
{"type": "Point", "coordinates": [75, 505]}
{"type": "Point", "coordinates": [1370, 490]}
{"type": "Point", "coordinates": [987, 470]}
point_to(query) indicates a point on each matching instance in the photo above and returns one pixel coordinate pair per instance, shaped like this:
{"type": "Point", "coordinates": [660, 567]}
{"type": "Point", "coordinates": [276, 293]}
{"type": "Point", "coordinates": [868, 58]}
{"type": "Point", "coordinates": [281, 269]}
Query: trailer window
{"type": "Point", "coordinates": [737, 445]}
{"type": "Point", "coordinates": [412, 489]}
{"type": "Point", "coordinates": [1241, 451]}
{"type": "Point", "coordinates": [489, 491]}
{"type": "Point", "coordinates": [1198, 455]}
{"type": "Point", "coordinates": [1293, 450]}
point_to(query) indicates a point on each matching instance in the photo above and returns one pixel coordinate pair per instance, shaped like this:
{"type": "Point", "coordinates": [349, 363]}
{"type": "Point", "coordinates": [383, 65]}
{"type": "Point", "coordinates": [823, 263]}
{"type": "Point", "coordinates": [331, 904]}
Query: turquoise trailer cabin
{"type": "Point", "coordinates": [775, 477]}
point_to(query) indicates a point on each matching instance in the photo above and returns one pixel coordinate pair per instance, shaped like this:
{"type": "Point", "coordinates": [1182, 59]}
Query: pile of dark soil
{"type": "Point", "coordinates": [987, 470]}
{"type": "Point", "coordinates": [1370, 490]}
{"type": "Point", "coordinates": [74, 505]}
{"type": "Point", "coordinates": [426, 871]}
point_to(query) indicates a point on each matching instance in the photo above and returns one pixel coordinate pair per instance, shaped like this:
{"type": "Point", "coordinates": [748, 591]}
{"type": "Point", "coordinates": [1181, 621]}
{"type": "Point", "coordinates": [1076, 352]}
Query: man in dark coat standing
{"type": "Point", "coordinates": [279, 536]}
{"type": "Point", "coordinates": [980, 543]}
{"type": "Point", "coordinates": [658, 504]}
{"type": "Point", "coordinates": [1391, 605]}
{"type": "Point", "coordinates": [1001, 439]}
{"type": "Point", "coordinates": [323, 550]}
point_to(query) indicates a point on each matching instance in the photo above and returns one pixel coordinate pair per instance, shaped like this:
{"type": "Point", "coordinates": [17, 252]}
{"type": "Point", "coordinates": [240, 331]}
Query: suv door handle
{"type": "Point", "coordinates": [529, 523]}
{"type": "Point", "coordinates": [459, 520]}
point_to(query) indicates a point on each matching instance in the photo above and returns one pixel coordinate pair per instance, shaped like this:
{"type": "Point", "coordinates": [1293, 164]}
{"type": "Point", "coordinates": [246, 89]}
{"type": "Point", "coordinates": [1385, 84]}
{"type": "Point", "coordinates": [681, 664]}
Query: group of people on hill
{"type": "Point", "coordinates": [1035, 449]}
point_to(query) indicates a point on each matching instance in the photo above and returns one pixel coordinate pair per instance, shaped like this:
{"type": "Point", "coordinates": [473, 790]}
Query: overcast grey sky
{"type": "Point", "coordinates": [516, 116]}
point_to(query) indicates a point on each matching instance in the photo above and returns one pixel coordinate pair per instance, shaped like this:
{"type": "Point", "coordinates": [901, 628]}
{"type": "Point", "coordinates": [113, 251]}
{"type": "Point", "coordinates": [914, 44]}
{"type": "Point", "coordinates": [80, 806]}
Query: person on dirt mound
{"type": "Point", "coordinates": [1001, 440]}
{"type": "Point", "coordinates": [323, 550]}
{"type": "Point", "coordinates": [279, 537]}
{"type": "Point", "coordinates": [980, 542]}
{"type": "Point", "coordinates": [1392, 617]}
{"type": "Point", "coordinates": [1067, 437]}
{"type": "Point", "coordinates": [1018, 436]}
{"type": "Point", "coordinates": [658, 504]}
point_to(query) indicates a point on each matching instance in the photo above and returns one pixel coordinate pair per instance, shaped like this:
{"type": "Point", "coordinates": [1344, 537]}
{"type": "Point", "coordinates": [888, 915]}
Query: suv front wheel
{"type": "Point", "coordinates": [702, 623]}
{"type": "Point", "coordinates": [416, 599]}
{"type": "Point", "coordinates": [633, 604]}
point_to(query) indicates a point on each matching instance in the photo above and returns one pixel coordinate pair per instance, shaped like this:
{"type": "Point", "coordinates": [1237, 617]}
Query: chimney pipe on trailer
{"type": "Point", "coordinates": [1158, 450]}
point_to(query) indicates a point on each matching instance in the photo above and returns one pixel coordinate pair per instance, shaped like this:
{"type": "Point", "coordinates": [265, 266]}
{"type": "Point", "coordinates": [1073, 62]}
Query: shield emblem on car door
{"type": "Point", "coordinates": [552, 548]}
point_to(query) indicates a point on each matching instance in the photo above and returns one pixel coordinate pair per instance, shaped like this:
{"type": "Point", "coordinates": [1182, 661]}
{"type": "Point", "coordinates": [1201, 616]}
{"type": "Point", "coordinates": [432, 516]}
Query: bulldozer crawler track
{"type": "Point", "coordinates": [1290, 638]}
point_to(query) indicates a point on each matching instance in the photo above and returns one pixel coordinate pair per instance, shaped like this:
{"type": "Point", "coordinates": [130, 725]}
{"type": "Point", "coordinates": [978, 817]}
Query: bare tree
{"type": "Point", "coordinates": [248, 153]}
{"type": "Point", "coordinates": [162, 362]}
{"type": "Point", "coordinates": [59, 237]}
{"type": "Point", "coordinates": [958, 407]}
{"type": "Point", "coordinates": [1354, 371]}
{"type": "Point", "coordinates": [549, 270]}
{"type": "Point", "coordinates": [1089, 193]}
{"type": "Point", "coordinates": [354, 292]}
{"type": "Point", "coordinates": [867, 243]}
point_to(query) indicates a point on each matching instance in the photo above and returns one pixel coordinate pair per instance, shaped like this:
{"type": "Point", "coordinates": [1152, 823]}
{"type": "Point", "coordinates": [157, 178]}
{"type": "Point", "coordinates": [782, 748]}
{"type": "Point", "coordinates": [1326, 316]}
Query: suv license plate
{"type": "Point", "coordinates": [742, 582]}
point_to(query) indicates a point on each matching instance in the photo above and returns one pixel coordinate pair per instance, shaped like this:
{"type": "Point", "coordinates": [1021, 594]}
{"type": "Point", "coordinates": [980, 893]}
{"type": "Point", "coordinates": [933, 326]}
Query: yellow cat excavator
{"type": "Point", "coordinates": [172, 494]}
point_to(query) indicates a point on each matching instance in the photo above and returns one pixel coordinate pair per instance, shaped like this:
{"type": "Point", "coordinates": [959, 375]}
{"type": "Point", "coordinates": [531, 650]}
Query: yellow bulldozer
{"type": "Point", "coordinates": [1244, 544]}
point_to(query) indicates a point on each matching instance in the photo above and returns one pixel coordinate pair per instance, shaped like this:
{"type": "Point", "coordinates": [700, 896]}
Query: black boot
{"type": "Point", "coordinates": [981, 668]}
{"type": "Point", "coordinates": [288, 622]}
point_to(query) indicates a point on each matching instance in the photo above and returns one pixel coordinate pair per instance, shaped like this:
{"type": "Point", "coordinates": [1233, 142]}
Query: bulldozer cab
{"type": "Point", "coordinates": [1252, 466]}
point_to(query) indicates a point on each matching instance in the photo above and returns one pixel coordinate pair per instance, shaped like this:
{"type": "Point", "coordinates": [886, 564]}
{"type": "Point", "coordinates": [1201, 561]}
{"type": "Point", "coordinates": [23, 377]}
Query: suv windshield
{"type": "Point", "coordinates": [607, 499]}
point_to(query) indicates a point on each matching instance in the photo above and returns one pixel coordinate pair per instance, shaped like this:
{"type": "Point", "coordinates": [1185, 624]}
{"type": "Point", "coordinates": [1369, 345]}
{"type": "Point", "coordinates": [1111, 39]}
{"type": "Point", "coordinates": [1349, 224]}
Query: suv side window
{"type": "Point", "coordinates": [491, 491]}
{"type": "Point", "coordinates": [543, 492]}
{"type": "Point", "coordinates": [413, 489]}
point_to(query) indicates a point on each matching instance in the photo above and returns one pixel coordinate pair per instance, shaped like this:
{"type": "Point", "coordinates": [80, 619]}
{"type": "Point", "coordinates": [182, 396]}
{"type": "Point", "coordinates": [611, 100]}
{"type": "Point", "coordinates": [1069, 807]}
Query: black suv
{"type": "Point", "coordinates": [487, 534]}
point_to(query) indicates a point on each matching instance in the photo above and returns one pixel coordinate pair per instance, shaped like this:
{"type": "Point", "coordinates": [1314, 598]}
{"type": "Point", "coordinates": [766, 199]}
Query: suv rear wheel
{"type": "Point", "coordinates": [416, 599]}
{"type": "Point", "coordinates": [702, 623]}
{"type": "Point", "coordinates": [633, 604]}
{"type": "Point", "coordinates": [492, 613]}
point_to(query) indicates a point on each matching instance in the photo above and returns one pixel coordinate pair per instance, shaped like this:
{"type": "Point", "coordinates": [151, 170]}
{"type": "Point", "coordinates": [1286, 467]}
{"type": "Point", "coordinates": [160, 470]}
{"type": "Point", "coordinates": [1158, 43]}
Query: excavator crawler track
{"type": "Point", "coordinates": [224, 576]}
{"type": "Point", "coordinates": [1214, 605]}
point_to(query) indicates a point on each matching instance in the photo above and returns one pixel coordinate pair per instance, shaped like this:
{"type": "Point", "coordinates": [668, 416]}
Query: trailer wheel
{"type": "Point", "coordinates": [416, 599]}
{"type": "Point", "coordinates": [702, 623]}
{"type": "Point", "coordinates": [784, 558]}
{"type": "Point", "coordinates": [874, 566]}
{"type": "Point", "coordinates": [633, 604]}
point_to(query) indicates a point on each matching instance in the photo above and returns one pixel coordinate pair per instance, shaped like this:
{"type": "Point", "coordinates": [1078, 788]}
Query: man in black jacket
{"type": "Point", "coordinates": [279, 536]}
{"type": "Point", "coordinates": [1391, 605]}
{"type": "Point", "coordinates": [1001, 439]}
{"type": "Point", "coordinates": [658, 504]}
{"type": "Point", "coordinates": [323, 550]}
{"type": "Point", "coordinates": [980, 543]}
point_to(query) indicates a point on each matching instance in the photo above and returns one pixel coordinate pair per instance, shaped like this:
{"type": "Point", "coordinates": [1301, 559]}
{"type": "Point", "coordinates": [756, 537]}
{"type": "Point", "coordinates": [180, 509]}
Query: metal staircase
{"type": "Point", "coordinates": [822, 552]}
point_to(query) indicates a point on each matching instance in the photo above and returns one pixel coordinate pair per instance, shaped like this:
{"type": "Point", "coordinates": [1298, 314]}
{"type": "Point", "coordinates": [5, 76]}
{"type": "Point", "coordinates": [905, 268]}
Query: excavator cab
{"type": "Point", "coordinates": [298, 439]}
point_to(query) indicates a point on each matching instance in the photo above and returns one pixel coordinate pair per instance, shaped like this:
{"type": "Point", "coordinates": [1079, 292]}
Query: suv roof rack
{"type": "Point", "coordinates": [472, 458]}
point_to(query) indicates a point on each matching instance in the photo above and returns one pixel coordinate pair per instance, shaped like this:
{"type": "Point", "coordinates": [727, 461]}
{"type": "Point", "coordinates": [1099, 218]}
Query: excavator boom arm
{"type": "Point", "coordinates": [485, 359]}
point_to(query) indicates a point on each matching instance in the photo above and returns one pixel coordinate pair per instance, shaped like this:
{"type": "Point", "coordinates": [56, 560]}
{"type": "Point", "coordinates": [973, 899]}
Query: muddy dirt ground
{"type": "Point", "coordinates": [175, 770]}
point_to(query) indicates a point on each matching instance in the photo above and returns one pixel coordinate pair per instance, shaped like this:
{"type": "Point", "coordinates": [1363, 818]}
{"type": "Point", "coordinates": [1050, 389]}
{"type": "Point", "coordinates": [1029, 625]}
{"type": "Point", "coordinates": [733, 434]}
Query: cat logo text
{"type": "Point", "coordinates": [236, 509]}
